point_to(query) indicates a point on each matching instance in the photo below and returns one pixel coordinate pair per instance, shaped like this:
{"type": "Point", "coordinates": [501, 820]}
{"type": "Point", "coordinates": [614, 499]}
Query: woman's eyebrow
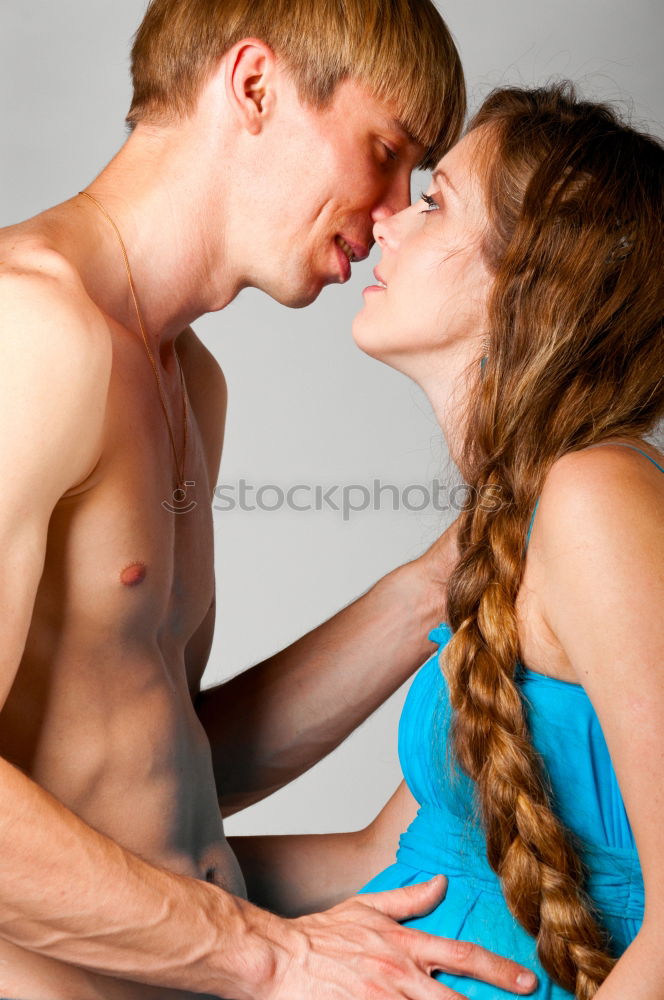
{"type": "Point", "coordinates": [440, 174]}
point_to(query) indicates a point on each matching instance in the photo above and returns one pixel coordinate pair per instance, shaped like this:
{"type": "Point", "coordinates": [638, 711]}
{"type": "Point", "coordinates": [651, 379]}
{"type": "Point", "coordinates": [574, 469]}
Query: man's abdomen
{"type": "Point", "coordinates": [117, 741]}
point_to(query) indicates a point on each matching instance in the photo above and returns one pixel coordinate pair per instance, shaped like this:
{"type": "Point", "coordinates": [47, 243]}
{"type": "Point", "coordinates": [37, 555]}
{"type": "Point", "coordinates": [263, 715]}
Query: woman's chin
{"type": "Point", "coordinates": [369, 339]}
{"type": "Point", "coordinates": [375, 346]}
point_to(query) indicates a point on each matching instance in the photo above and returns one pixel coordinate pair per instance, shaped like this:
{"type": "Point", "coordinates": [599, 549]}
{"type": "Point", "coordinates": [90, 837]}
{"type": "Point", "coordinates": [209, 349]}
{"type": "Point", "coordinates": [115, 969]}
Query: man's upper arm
{"type": "Point", "coordinates": [53, 381]}
{"type": "Point", "coordinates": [601, 541]}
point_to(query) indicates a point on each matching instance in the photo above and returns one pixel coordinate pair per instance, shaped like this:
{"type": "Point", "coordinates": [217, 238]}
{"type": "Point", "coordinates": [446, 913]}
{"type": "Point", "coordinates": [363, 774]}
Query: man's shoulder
{"type": "Point", "coordinates": [208, 394]}
{"type": "Point", "coordinates": [191, 349]}
{"type": "Point", "coordinates": [206, 382]}
{"type": "Point", "coordinates": [56, 364]}
{"type": "Point", "coordinates": [56, 351]}
{"type": "Point", "coordinates": [46, 308]}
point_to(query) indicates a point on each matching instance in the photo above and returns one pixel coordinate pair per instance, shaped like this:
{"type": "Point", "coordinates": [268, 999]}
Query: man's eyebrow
{"type": "Point", "coordinates": [440, 173]}
{"type": "Point", "coordinates": [399, 126]}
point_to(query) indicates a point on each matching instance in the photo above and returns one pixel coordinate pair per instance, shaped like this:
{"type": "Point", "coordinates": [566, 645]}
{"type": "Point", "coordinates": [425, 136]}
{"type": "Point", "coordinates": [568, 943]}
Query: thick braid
{"type": "Point", "coordinates": [527, 845]}
{"type": "Point", "coordinates": [574, 356]}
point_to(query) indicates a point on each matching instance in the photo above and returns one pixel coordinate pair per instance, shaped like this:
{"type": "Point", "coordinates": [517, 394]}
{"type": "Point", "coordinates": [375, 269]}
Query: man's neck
{"type": "Point", "coordinates": [157, 191]}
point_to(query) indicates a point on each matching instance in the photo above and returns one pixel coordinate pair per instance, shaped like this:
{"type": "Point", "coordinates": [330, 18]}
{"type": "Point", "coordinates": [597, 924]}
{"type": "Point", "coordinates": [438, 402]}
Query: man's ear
{"type": "Point", "coordinates": [250, 82]}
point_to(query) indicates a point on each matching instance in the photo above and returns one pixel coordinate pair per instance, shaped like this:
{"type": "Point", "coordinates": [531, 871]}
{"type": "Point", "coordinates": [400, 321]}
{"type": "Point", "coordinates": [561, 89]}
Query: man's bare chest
{"type": "Point", "coordinates": [128, 552]}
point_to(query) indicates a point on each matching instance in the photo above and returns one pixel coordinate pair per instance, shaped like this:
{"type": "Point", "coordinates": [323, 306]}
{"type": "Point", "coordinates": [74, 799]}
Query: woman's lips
{"type": "Point", "coordinates": [376, 288]}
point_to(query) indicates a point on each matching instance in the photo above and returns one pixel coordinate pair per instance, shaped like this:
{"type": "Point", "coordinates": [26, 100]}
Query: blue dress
{"type": "Point", "coordinates": [446, 838]}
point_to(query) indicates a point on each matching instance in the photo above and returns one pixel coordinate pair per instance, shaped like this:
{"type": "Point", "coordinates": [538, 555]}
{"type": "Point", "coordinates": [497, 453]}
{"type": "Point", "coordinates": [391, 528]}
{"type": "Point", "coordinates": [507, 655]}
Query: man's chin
{"type": "Point", "coordinates": [298, 298]}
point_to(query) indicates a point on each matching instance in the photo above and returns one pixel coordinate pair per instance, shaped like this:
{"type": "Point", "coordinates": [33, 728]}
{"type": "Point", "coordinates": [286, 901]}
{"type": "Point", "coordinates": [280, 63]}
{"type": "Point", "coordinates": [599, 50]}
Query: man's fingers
{"type": "Point", "coordinates": [468, 959]}
{"type": "Point", "coordinates": [448, 994]}
{"type": "Point", "coordinates": [410, 901]}
{"type": "Point", "coordinates": [430, 989]}
{"type": "Point", "coordinates": [432, 953]}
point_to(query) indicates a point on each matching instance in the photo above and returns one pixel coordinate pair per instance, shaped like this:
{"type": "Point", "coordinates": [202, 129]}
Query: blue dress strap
{"type": "Point", "coordinates": [621, 444]}
{"type": "Point", "coordinates": [532, 521]}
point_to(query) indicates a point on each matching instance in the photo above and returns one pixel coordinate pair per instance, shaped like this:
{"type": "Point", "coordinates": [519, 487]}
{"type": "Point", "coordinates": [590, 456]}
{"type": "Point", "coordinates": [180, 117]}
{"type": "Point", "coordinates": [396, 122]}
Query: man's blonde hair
{"type": "Point", "coordinates": [400, 49]}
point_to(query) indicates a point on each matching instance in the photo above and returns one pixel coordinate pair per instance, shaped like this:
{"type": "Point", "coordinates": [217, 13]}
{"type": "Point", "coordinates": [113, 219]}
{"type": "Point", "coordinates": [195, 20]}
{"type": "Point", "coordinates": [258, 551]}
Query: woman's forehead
{"type": "Point", "coordinates": [460, 171]}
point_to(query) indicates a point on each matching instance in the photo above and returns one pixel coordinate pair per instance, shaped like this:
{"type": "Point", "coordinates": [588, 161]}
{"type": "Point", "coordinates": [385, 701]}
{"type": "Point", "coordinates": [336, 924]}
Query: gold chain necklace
{"type": "Point", "coordinates": [178, 468]}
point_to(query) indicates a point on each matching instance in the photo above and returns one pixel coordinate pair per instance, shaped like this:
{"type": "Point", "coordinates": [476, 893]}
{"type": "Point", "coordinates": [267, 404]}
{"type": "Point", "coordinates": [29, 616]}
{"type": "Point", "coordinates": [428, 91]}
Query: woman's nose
{"type": "Point", "coordinates": [379, 233]}
{"type": "Point", "coordinates": [387, 232]}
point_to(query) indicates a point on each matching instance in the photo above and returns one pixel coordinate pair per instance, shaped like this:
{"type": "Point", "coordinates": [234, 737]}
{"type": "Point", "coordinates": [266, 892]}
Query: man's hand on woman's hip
{"type": "Point", "coordinates": [358, 951]}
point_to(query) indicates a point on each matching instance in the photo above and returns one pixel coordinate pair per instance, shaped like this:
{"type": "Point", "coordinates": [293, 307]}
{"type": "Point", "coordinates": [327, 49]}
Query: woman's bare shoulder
{"type": "Point", "coordinates": [604, 493]}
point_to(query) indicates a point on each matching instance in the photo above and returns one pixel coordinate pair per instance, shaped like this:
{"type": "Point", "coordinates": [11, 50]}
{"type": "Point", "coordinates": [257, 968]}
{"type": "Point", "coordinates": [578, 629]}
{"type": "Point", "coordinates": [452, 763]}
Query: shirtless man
{"type": "Point", "coordinates": [260, 156]}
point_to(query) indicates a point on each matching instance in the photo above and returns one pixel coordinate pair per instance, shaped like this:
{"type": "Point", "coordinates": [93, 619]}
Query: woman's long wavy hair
{"type": "Point", "coordinates": [575, 356]}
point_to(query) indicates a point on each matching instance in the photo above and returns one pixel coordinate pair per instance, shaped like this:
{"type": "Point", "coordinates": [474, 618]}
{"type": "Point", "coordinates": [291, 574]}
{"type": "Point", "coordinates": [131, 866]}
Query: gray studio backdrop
{"type": "Point", "coordinates": [306, 407]}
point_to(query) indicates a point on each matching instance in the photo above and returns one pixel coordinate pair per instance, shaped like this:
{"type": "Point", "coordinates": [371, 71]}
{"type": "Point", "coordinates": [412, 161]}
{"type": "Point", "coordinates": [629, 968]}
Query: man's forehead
{"type": "Point", "coordinates": [382, 112]}
{"type": "Point", "coordinates": [398, 126]}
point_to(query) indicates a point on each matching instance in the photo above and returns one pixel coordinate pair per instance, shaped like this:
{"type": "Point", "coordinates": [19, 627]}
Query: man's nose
{"type": "Point", "coordinates": [386, 232]}
{"type": "Point", "coordinates": [389, 214]}
{"type": "Point", "coordinates": [395, 198]}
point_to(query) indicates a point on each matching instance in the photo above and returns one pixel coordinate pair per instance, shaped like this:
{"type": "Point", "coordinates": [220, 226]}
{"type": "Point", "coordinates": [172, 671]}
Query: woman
{"type": "Point", "coordinates": [524, 294]}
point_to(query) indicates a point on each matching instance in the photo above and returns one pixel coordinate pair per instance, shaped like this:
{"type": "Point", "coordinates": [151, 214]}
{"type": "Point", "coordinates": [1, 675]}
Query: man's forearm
{"type": "Point", "coordinates": [72, 894]}
{"type": "Point", "coordinates": [273, 722]}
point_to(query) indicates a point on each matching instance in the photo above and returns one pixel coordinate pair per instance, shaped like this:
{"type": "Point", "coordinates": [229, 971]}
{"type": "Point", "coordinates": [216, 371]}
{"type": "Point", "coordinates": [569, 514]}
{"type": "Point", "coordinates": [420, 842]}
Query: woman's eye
{"type": "Point", "coordinates": [431, 203]}
{"type": "Point", "coordinates": [391, 155]}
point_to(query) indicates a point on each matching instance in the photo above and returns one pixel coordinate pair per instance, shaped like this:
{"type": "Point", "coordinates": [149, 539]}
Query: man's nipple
{"type": "Point", "coordinates": [133, 574]}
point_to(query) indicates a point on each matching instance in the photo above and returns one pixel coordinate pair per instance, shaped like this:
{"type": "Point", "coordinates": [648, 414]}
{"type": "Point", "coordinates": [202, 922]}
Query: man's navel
{"type": "Point", "coordinates": [133, 574]}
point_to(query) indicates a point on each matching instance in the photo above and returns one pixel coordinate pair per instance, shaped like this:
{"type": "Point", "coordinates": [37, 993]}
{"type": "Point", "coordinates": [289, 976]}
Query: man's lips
{"type": "Point", "coordinates": [348, 252]}
{"type": "Point", "coordinates": [354, 251]}
{"type": "Point", "coordinates": [343, 261]}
